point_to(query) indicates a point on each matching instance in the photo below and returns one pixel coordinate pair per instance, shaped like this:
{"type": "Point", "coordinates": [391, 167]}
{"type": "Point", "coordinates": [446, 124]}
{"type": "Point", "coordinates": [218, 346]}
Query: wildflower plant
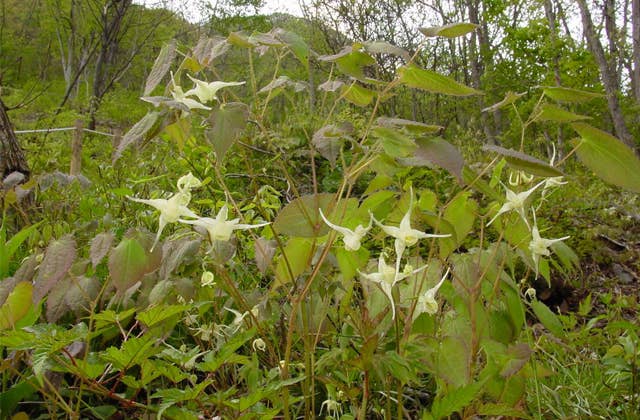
{"type": "Point", "coordinates": [289, 311]}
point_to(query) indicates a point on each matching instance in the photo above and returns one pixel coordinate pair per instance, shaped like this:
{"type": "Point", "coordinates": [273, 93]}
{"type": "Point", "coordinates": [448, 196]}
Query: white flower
{"type": "Point", "coordinates": [519, 177]}
{"type": "Point", "coordinates": [207, 91]}
{"type": "Point", "coordinates": [187, 182]}
{"type": "Point", "coordinates": [220, 229]}
{"type": "Point", "coordinates": [553, 181]}
{"type": "Point", "coordinates": [351, 238]}
{"type": "Point", "coordinates": [170, 210]}
{"type": "Point", "coordinates": [427, 302]}
{"type": "Point", "coordinates": [540, 246]}
{"type": "Point", "coordinates": [179, 96]}
{"type": "Point", "coordinates": [206, 280]}
{"type": "Point", "coordinates": [515, 201]}
{"type": "Point", "coordinates": [404, 234]}
{"type": "Point", "coordinates": [259, 344]}
{"type": "Point", "coordinates": [387, 276]}
{"type": "Point", "coordinates": [334, 408]}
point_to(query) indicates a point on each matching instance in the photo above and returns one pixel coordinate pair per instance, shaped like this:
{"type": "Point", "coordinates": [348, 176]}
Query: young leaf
{"type": "Point", "coordinates": [329, 139]}
{"type": "Point", "coordinates": [227, 123]}
{"type": "Point", "coordinates": [296, 44]}
{"type": "Point", "coordinates": [264, 251]}
{"type": "Point", "coordinates": [440, 153]}
{"type": "Point", "coordinates": [58, 259]}
{"type": "Point", "coordinates": [451, 30]}
{"type": "Point", "coordinates": [433, 82]}
{"type": "Point", "coordinates": [413, 127]}
{"type": "Point", "coordinates": [161, 66]}
{"type": "Point", "coordinates": [383, 47]}
{"type": "Point", "coordinates": [562, 94]}
{"type": "Point", "coordinates": [100, 246]}
{"type": "Point", "coordinates": [136, 132]}
{"type": "Point", "coordinates": [524, 162]}
{"type": "Point", "coordinates": [208, 49]}
{"type": "Point", "coordinates": [608, 157]}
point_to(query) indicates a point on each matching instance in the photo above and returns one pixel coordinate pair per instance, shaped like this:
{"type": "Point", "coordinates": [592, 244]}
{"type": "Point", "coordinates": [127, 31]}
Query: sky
{"type": "Point", "coordinates": [191, 11]}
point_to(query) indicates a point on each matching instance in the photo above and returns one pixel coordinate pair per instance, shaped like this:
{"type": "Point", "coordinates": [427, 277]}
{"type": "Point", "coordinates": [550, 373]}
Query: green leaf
{"type": "Point", "coordinates": [351, 61]}
{"type": "Point", "coordinates": [549, 112]}
{"type": "Point", "coordinates": [132, 352]}
{"type": "Point", "coordinates": [455, 401]}
{"type": "Point", "coordinates": [9, 248]}
{"type": "Point", "coordinates": [451, 30]}
{"type": "Point", "coordinates": [137, 132]}
{"type": "Point", "coordinates": [130, 261]}
{"type": "Point", "coordinates": [358, 95]}
{"type": "Point", "coordinates": [58, 258]}
{"type": "Point", "coordinates": [301, 216]}
{"type": "Point", "coordinates": [179, 131]}
{"type": "Point", "coordinates": [471, 178]}
{"type": "Point", "coordinates": [433, 82]}
{"type": "Point", "coordinates": [460, 213]}
{"type": "Point", "coordinates": [394, 143]}
{"type": "Point", "coordinates": [10, 399]}
{"type": "Point", "coordinates": [562, 94]}
{"type": "Point", "coordinates": [453, 361]}
{"type": "Point", "coordinates": [213, 360]}
{"type": "Point", "coordinates": [227, 123]}
{"type": "Point", "coordinates": [509, 99]}
{"type": "Point", "coordinates": [295, 259]}
{"type": "Point", "coordinates": [493, 410]}
{"type": "Point", "coordinates": [160, 67]}
{"type": "Point", "coordinates": [547, 318]}
{"type": "Point", "coordinates": [439, 152]}
{"type": "Point", "coordinates": [157, 314]}
{"type": "Point", "coordinates": [524, 162]}
{"type": "Point", "coordinates": [16, 306]}
{"type": "Point", "coordinates": [240, 39]}
{"type": "Point", "coordinates": [350, 262]}
{"type": "Point", "coordinates": [608, 157]}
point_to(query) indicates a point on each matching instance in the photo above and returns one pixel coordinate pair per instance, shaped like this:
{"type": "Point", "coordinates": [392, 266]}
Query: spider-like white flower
{"type": "Point", "coordinates": [259, 344]}
{"type": "Point", "coordinates": [351, 238]}
{"type": "Point", "coordinates": [206, 91]}
{"type": "Point", "coordinates": [207, 279]}
{"type": "Point", "coordinates": [540, 246]}
{"type": "Point", "coordinates": [404, 234]}
{"type": "Point", "coordinates": [220, 229]}
{"type": "Point", "coordinates": [427, 302]}
{"type": "Point", "coordinates": [387, 276]}
{"type": "Point", "coordinates": [515, 201]}
{"type": "Point", "coordinates": [170, 210]}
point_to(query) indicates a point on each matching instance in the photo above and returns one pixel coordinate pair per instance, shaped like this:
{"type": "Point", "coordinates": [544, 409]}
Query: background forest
{"type": "Point", "coordinates": [377, 209]}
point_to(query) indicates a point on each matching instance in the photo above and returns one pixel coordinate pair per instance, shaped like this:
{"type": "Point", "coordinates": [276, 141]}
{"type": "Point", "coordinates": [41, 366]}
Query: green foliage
{"type": "Point", "coordinates": [314, 258]}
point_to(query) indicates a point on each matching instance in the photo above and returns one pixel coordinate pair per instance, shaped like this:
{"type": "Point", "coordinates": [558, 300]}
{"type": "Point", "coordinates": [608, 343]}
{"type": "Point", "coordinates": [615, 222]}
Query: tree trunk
{"type": "Point", "coordinates": [607, 75]}
{"type": "Point", "coordinates": [12, 157]}
{"type": "Point", "coordinates": [635, 22]}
